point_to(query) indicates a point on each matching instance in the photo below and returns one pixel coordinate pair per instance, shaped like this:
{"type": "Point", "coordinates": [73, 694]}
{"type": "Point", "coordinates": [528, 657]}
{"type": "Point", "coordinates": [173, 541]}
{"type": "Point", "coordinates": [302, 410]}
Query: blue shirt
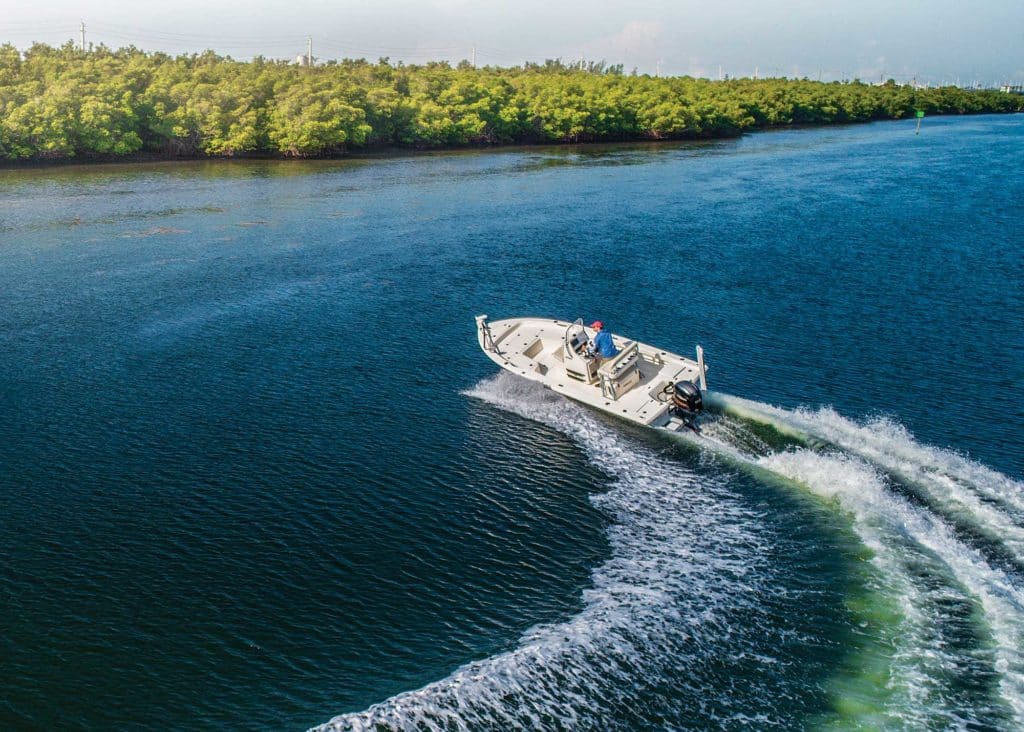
{"type": "Point", "coordinates": [603, 344]}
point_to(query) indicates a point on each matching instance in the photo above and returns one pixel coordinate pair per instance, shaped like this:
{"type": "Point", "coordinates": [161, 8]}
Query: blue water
{"type": "Point", "coordinates": [255, 472]}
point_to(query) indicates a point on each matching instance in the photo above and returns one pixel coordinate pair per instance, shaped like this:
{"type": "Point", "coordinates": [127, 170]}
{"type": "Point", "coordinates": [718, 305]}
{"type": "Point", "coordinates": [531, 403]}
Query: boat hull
{"type": "Point", "coordinates": [637, 385]}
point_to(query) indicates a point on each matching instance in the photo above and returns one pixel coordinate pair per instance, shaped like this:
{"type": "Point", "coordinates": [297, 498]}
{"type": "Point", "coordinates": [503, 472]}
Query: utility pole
{"type": "Point", "coordinates": [657, 69]}
{"type": "Point", "coordinates": [756, 69]}
{"type": "Point", "coordinates": [83, 36]}
{"type": "Point", "coordinates": [719, 72]}
{"type": "Point", "coordinates": [473, 57]}
{"type": "Point", "coordinates": [309, 51]}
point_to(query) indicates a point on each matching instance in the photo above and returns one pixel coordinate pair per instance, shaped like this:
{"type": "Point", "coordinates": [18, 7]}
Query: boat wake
{"type": "Point", "coordinates": [690, 599]}
{"type": "Point", "coordinates": [931, 553]}
{"type": "Point", "coordinates": [948, 482]}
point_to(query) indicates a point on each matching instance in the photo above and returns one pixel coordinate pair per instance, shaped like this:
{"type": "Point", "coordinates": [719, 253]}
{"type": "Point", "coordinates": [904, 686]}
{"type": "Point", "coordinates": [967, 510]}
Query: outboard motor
{"type": "Point", "coordinates": [686, 400]}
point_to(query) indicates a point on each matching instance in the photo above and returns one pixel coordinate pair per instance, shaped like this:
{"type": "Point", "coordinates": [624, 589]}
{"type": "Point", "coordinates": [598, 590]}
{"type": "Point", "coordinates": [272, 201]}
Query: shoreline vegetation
{"type": "Point", "coordinates": [64, 105]}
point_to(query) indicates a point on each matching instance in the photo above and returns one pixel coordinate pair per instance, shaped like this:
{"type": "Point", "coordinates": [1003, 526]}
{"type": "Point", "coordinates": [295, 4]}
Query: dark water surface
{"type": "Point", "coordinates": [255, 473]}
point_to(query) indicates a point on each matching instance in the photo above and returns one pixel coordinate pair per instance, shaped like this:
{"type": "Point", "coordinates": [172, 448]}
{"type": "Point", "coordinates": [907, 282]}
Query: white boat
{"type": "Point", "coordinates": [640, 383]}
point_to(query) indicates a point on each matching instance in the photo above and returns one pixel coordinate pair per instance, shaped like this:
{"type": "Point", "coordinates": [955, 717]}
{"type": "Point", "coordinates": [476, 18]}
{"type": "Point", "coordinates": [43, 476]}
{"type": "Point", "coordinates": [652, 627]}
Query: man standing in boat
{"type": "Point", "coordinates": [601, 346]}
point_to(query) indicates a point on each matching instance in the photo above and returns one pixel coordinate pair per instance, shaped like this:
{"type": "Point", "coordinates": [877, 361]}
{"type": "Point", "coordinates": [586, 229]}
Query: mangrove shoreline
{"type": "Point", "coordinates": [63, 105]}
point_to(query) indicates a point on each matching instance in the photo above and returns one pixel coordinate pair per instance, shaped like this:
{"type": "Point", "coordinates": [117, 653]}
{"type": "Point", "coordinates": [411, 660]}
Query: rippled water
{"type": "Point", "coordinates": [254, 472]}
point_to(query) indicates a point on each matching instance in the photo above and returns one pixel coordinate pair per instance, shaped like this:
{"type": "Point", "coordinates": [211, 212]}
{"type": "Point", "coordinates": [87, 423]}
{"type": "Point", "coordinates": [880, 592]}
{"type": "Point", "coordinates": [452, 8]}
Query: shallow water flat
{"type": "Point", "coordinates": [255, 472]}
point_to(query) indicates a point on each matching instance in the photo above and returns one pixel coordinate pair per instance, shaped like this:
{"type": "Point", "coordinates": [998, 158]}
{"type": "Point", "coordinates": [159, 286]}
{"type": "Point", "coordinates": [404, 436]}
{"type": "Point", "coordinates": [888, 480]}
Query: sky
{"type": "Point", "coordinates": [934, 41]}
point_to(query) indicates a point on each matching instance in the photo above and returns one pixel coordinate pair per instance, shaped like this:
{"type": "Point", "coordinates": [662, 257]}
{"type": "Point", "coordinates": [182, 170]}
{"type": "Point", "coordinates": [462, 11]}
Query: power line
{"type": "Point", "coordinates": [281, 44]}
{"type": "Point", "coordinates": [172, 35]}
{"type": "Point", "coordinates": [286, 45]}
{"type": "Point", "coordinates": [235, 40]}
{"type": "Point", "coordinates": [39, 31]}
{"type": "Point", "coordinates": [255, 43]}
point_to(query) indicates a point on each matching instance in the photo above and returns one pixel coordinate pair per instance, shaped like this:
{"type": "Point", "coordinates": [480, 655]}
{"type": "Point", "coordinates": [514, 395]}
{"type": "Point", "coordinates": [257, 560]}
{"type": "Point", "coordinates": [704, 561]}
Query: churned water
{"type": "Point", "coordinates": [256, 474]}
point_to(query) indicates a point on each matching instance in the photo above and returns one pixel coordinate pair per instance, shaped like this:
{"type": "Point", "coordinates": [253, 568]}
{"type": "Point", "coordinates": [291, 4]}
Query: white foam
{"type": "Point", "coordinates": [961, 488]}
{"type": "Point", "coordinates": [882, 519]}
{"type": "Point", "coordinates": [885, 521]}
{"type": "Point", "coordinates": [684, 553]}
{"type": "Point", "coordinates": [684, 557]}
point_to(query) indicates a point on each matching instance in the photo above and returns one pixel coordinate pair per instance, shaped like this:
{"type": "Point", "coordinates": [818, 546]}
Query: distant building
{"type": "Point", "coordinates": [1012, 88]}
{"type": "Point", "coordinates": [302, 59]}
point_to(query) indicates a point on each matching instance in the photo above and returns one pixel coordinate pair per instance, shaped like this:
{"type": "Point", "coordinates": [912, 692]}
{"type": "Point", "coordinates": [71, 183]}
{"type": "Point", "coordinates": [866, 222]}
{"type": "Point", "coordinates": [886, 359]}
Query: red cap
{"type": "Point", "coordinates": [597, 324]}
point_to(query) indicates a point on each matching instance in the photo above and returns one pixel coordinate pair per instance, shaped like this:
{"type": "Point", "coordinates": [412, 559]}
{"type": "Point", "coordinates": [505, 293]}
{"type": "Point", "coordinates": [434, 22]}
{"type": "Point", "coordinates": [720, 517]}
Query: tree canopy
{"type": "Point", "coordinates": [63, 103]}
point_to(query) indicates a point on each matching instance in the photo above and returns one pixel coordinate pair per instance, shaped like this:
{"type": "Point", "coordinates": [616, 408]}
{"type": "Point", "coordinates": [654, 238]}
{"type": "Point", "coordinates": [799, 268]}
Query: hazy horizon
{"type": "Point", "coordinates": [940, 42]}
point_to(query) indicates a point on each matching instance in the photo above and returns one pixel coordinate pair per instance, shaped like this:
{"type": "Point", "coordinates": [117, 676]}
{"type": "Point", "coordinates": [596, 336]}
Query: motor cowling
{"type": "Point", "coordinates": [686, 399]}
